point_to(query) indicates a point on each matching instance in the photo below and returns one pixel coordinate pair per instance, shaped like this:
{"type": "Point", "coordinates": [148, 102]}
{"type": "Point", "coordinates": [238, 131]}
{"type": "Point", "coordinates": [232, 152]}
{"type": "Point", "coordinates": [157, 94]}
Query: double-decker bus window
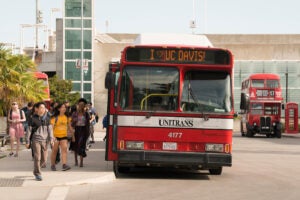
{"type": "Point", "coordinates": [272, 109]}
{"type": "Point", "coordinates": [206, 91]}
{"type": "Point", "coordinates": [149, 88]}
{"type": "Point", "coordinates": [272, 84]}
{"type": "Point", "coordinates": [258, 83]}
{"type": "Point", "coordinates": [257, 109]}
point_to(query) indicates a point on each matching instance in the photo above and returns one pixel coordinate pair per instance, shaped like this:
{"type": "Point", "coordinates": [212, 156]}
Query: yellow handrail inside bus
{"type": "Point", "coordinates": [155, 94]}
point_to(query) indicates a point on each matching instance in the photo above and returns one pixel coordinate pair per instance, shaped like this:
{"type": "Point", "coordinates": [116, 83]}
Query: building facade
{"type": "Point", "coordinates": [78, 26]}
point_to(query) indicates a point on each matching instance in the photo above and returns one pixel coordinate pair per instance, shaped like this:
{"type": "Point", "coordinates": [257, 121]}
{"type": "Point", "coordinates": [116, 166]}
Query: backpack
{"type": "Point", "coordinates": [10, 114]}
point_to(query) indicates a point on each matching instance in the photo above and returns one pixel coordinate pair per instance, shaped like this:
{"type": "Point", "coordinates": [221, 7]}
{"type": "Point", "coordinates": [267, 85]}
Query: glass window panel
{"type": "Point", "coordinates": [206, 91]}
{"type": "Point", "coordinates": [73, 39]}
{"type": "Point", "coordinates": [73, 23]}
{"type": "Point", "coordinates": [87, 34]}
{"type": "Point", "coordinates": [149, 88]}
{"type": "Point", "coordinates": [72, 72]}
{"type": "Point", "coordinates": [76, 23]}
{"type": "Point", "coordinates": [87, 87]}
{"type": "Point", "coordinates": [87, 96]}
{"type": "Point", "coordinates": [87, 55]}
{"type": "Point", "coordinates": [88, 74]}
{"type": "Point", "coordinates": [257, 83]}
{"type": "Point", "coordinates": [73, 54]}
{"type": "Point", "coordinates": [87, 23]}
{"type": "Point", "coordinates": [77, 55]}
{"type": "Point", "coordinates": [73, 8]}
{"type": "Point", "coordinates": [87, 8]}
{"type": "Point", "coordinates": [76, 87]}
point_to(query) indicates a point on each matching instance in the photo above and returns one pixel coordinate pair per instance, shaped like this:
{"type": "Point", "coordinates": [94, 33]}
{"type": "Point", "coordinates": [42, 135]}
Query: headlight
{"type": "Point", "coordinates": [254, 124]}
{"type": "Point", "coordinates": [214, 147]}
{"type": "Point", "coordinates": [274, 123]}
{"type": "Point", "coordinates": [134, 145]}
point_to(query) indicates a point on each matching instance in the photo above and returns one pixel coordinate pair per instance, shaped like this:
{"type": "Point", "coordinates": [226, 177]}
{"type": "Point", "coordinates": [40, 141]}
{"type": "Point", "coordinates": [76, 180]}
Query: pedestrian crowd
{"type": "Point", "coordinates": [62, 127]}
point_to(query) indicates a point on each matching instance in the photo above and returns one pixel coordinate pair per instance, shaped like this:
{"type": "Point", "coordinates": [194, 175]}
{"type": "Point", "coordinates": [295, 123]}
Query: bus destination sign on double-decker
{"type": "Point", "coordinates": [177, 55]}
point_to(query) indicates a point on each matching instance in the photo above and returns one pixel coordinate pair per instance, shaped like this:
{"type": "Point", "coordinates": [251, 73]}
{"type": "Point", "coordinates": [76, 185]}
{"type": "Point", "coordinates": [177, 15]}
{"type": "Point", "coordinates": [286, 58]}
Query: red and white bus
{"type": "Point", "coordinates": [261, 102]}
{"type": "Point", "coordinates": [171, 106]}
{"type": "Point", "coordinates": [44, 77]}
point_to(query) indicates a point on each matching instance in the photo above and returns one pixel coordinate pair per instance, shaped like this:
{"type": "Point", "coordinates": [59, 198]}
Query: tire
{"type": "Point", "coordinates": [249, 133]}
{"type": "Point", "coordinates": [278, 133]}
{"type": "Point", "coordinates": [216, 171]}
{"type": "Point", "coordinates": [118, 170]}
{"type": "Point", "coordinates": [268, 135]}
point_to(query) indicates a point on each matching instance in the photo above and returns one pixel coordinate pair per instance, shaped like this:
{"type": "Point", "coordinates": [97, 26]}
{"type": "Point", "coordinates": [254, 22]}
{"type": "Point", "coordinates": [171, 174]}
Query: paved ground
{"type": "Point", "coordinates": [18, 171]}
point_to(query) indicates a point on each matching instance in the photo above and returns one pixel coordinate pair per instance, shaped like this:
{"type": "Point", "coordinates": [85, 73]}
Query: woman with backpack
{"type": "Point", "coordinates": [61, 123]}
{"type": "Point", "coordinates": [16, 117]}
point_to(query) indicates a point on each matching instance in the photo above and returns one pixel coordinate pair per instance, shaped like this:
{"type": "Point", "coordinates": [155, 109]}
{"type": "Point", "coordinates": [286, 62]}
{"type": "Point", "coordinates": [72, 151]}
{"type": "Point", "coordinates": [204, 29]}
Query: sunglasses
{"type": "Point", "coordinates": [14, 104]}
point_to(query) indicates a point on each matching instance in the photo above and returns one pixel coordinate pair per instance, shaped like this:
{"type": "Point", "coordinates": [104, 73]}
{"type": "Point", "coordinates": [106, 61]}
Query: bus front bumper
{"type": "Point", "coordinates": [148, 158]}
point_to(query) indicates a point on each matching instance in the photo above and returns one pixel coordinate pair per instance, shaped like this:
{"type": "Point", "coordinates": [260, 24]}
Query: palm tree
{"type": "Point", "coordinates": [17, 80]}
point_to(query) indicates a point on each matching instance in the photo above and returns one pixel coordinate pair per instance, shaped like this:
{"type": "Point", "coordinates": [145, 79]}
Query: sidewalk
{"type": "Point", "coordinates": [18, 171]}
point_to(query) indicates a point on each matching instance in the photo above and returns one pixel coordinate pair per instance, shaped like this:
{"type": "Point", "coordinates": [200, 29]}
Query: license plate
{"type": "Point", "coordinates": [169, 146]}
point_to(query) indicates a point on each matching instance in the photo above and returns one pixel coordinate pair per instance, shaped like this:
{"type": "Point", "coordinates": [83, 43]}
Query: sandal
{"type": "Point", "coordinates": [11, 154]}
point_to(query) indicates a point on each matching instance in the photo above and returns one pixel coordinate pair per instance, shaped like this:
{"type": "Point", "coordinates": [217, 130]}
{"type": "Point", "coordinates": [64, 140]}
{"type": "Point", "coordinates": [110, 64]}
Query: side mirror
{"type": "Point", "coordinates": [109, 80]}
{"type": "Point", "coordinates": [244, 101]}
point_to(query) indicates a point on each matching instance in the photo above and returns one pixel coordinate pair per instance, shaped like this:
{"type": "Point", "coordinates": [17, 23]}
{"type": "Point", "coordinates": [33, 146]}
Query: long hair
{"type": "Point", "coordinates": [81, 107]}
{"type": "Point", "coordinates": [56, 110]}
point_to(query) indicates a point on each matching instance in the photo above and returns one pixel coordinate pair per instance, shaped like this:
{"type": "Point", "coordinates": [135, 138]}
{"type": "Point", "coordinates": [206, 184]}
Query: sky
{"type": "Point", "coordinates": [161, 16]}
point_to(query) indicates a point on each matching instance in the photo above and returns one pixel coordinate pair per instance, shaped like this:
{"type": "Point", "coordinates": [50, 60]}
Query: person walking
{"type": "Point", "coordinates": [39, 132]}
{"type": "Point", "coordinates": [93, 114]}
{"type": "Point", "coordinates": [27, 110]}
{"type": "Point", "coordinates": [16, 117]}
{"type": "Point", "coordinates": [81, 124]}
{"type": "Point", "coordinates": [61, 123]}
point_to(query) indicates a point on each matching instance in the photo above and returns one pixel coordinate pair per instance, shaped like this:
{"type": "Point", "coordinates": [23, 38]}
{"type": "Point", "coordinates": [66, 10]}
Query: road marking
{"type": "Point", "coordinates": [102, 179]}
{"type": "Point", "coordinates": [58, 193]}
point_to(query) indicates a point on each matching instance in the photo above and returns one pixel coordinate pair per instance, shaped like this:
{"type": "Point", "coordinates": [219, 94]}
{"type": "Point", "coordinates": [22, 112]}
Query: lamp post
{"type": "Point", "coordinates": [81, 63]}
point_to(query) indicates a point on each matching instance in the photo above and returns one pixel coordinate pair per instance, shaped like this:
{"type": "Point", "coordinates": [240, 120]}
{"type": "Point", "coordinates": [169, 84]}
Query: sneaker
{"type": "Point", "coordinates": [16, 155]}
{"type": "Point", "coordinates": [53, 168]}
{"type": "Point", "coordinates": [92, 142]}
{"type": "Point", "coordinates": [65, 167]}
{"type": "Point", "coordinates": [38, 177]}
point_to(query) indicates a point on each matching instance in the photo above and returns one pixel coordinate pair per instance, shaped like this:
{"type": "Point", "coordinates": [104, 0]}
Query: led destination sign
{"type": "Point", "coordinates": [177, 55]}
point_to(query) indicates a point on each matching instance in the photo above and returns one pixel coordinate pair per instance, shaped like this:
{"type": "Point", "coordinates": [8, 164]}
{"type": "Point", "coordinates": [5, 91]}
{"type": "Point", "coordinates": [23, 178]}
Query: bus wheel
{"type": "Point", "coordinates": [278, 133]}
{"type": "Point", "coordinates": [249, 133]}
{"type": "Point", "coordinates": [268, 135]}
{"type": "Point", "coordinates": [118, 170]}
{"type": "Point", "coordinates": [216, 171]}
{"type": "Point", "coordinates": [242, 129]}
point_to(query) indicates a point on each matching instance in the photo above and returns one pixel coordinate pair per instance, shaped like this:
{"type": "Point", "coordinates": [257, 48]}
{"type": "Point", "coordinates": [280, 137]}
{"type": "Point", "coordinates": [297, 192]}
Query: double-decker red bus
{"type": "Point", "coordinates": [170, 106]}
{"type": "Point", "coordinates": [44, 77]}
{"type": "Point", "coordinates": [261, 101]}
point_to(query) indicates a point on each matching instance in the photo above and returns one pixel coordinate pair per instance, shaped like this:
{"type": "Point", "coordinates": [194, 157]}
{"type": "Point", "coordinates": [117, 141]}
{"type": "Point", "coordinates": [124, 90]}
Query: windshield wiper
{"type": "Point", "coordinates": [205, 116]}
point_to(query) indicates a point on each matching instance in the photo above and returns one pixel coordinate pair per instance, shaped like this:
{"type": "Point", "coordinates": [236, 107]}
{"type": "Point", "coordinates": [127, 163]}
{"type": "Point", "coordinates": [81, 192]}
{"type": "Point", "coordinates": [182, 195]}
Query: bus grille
{"type": "Point", "coordinates": [265, 124]}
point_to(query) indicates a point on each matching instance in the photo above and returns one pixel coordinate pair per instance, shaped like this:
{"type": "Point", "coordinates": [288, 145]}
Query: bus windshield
{"type": "Point", "coordinates": [206, 91]}
{"type": "Point", "coordinates": [149, 88]}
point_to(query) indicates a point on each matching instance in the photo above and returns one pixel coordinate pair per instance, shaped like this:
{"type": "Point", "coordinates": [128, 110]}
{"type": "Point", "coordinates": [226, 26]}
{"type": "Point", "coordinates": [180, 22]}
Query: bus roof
{"type": "Point", "coordinates": [40, 75]}
{"type": "Point", "coordinates": [264, 76]}
{"type": "Point", "coordinates": [172, 39]}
